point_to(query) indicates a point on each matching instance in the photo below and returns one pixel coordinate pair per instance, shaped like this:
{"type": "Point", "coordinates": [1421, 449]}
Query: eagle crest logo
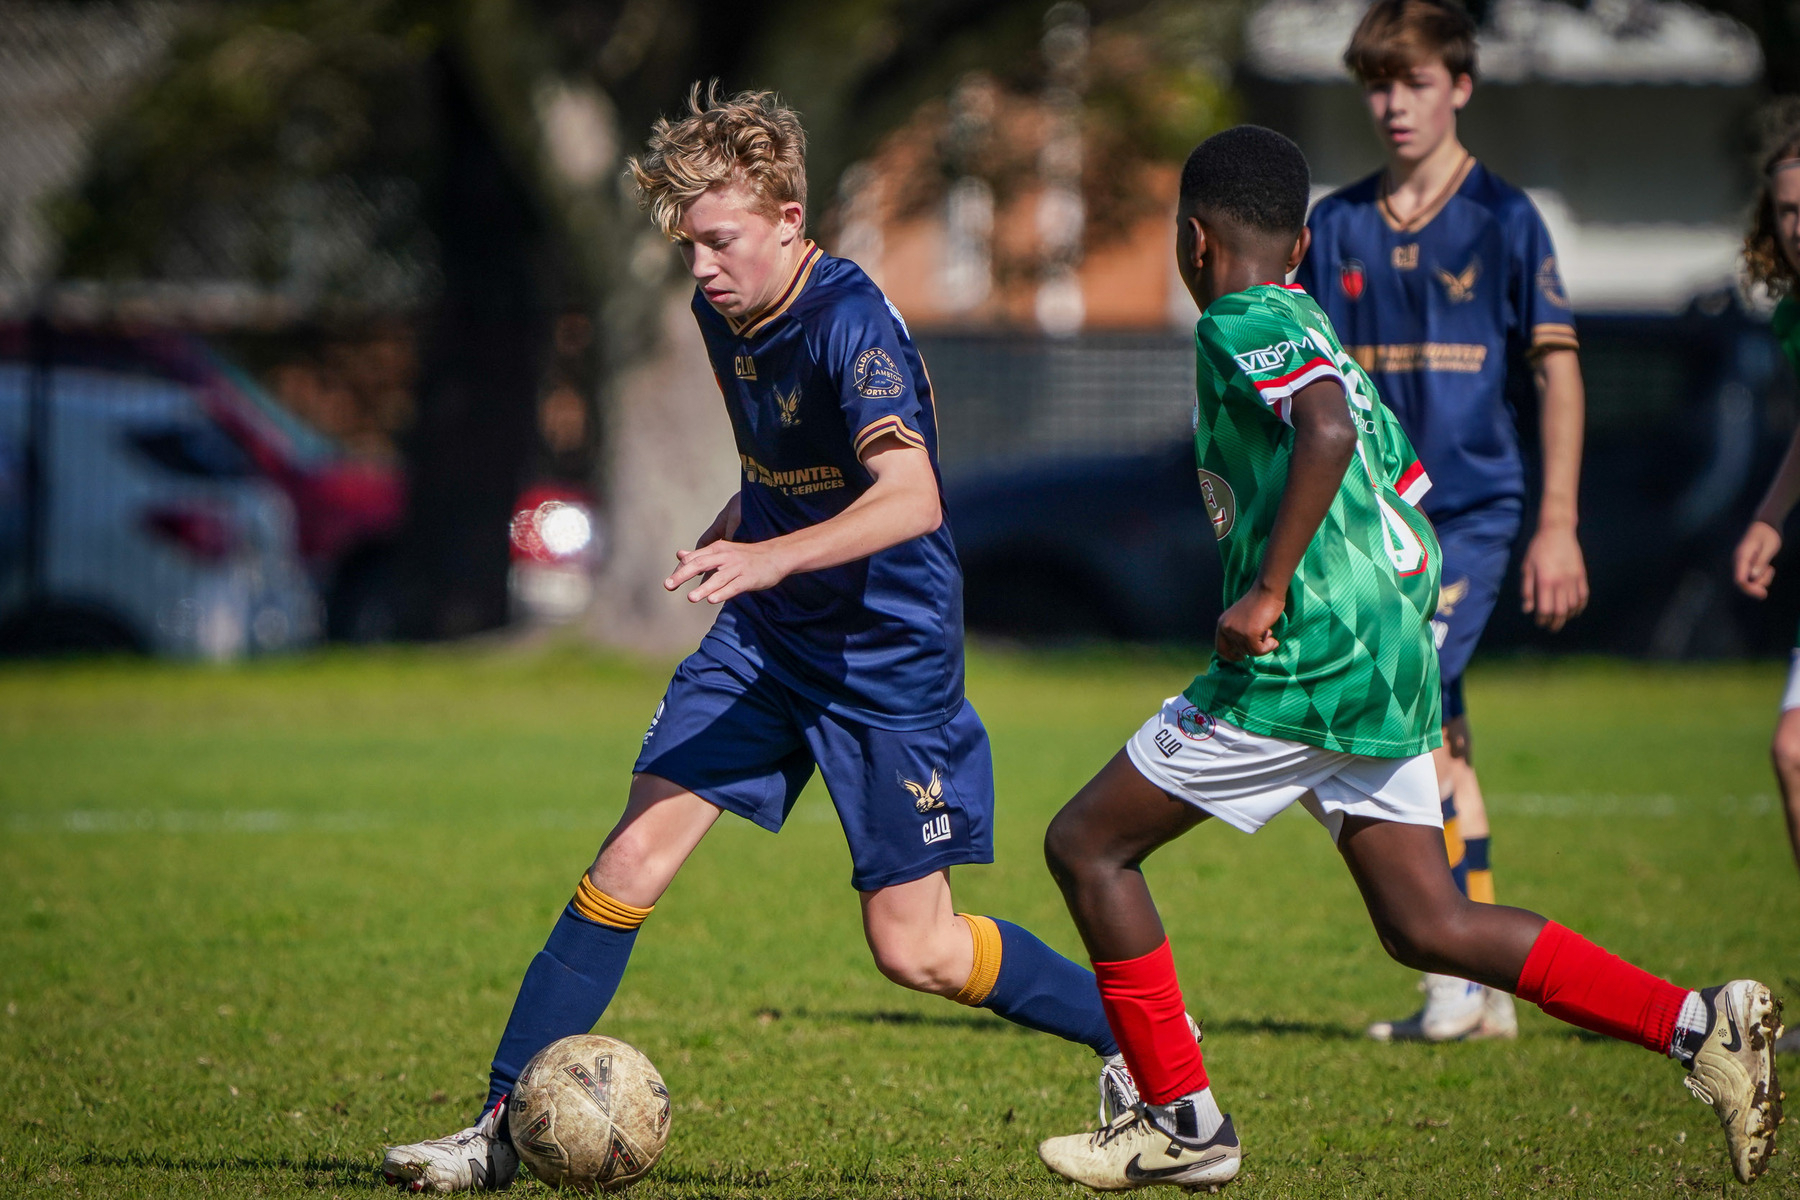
{"type": "Point", "coordinates": [1460, 288]}
{"type": "Point", "coordinates": [1451, 595]}
{"type": "Point", "coordinates": [926, 796]}
{"type": "Point", "coordinates": [788, 406]}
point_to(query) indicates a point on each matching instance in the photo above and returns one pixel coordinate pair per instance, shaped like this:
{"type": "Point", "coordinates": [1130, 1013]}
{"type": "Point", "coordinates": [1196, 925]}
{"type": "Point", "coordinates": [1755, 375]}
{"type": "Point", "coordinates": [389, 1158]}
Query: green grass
{"type": "Point", "coordinates": [256, 922]}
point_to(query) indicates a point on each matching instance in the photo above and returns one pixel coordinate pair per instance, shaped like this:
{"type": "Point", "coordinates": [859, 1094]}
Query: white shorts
{"type": "Point", "coordinates": [1244, 779]}
{"type": "Point", "coordinates": [1791, 697]}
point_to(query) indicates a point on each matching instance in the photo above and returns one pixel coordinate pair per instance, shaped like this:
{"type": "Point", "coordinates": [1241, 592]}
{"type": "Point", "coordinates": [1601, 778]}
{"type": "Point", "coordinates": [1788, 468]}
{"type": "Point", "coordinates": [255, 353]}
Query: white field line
{"type": "Point", "coordinates": [601, 816]}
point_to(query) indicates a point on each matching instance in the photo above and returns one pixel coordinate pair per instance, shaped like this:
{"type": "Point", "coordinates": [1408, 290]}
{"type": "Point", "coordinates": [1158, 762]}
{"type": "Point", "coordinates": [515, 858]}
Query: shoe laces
{"type": "Point", "coordinates": [1122, 1125]}
{"type": "Point", "coordinates": [1696, 1086]}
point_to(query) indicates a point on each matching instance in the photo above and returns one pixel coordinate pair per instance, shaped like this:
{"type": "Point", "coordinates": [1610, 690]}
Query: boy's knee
{"type": "Point", "coordinates": [1786, 748]}
{"type": "Point", "coordinates": [1422, 940]}
{"type": "Point", "coordinates": [922, 965]}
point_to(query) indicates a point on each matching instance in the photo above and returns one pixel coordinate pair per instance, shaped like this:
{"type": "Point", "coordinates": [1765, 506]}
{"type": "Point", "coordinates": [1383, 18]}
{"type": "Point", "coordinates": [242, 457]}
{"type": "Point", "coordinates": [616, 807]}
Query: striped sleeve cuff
{"type": "Point", "coordinates": [1278, 393]}
{"type": "Point", "coordinates": [1413, 484]}
{"type": "Point", "coordinates": [883, 427]}
{"type": "Point", "coordinates": [1553, 337]}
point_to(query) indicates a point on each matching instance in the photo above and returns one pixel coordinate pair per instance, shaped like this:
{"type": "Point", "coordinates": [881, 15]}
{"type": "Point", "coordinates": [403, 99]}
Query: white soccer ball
{"type": "Point", "coordinates": [589, 1113]}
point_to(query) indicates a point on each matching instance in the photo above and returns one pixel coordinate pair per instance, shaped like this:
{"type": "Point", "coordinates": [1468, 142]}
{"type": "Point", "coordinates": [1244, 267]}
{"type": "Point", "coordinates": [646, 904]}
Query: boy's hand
{"type": "Point", "coordinates": [730, 569]}
{"type": "Point", "coordinates": [1553, 578]}
{"type": "Point", "coordinates": [1244, 627]}
{"type": "Point", "coordinates": [1752, 564]}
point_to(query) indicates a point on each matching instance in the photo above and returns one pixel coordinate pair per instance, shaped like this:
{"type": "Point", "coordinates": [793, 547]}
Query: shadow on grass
{"type": "Point", "coordinates": [1324, 1030]}
{"type": "Point", "coordinates": [348, 1172]}
{"type": "Point", "coordinates": [982, 1021]}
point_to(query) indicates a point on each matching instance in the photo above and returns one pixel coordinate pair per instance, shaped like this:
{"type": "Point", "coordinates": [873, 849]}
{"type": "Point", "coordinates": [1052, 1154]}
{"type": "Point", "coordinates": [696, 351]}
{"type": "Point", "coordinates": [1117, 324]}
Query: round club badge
{"type": "Point", "coordinates": [1196, 726]}
{"type": "Point", "coordinates": [1221, 505]}
{"type": "Point", "coordinates": [876, 375]}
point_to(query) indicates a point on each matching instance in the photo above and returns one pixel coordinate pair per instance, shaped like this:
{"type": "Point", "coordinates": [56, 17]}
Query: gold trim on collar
{"type": "Point", "coordinates": [750, 326]}
{"type": "Point", "coordinates": [1423, 217]}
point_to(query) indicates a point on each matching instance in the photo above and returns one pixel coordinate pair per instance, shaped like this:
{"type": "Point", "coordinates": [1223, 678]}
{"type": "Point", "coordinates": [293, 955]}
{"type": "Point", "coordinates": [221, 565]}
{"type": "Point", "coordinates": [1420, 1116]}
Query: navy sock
{"type": "Point", "coordinates": [566, 989]}
{"type": "Point", "coordinates": [1040, 989]}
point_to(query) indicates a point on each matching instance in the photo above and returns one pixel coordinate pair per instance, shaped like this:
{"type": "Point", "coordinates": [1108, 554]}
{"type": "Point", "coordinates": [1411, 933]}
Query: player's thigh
{"type": "Point", "coordinates": [1403, 874]}
{"type": "Point", "coordinates": [662, 824]}
{"type": "Point", "coordinates": [911, 802]}
{"type": "Point", "coordinates": [1118, 818]}
{"type": "Point", "coordinates": [735, 743]}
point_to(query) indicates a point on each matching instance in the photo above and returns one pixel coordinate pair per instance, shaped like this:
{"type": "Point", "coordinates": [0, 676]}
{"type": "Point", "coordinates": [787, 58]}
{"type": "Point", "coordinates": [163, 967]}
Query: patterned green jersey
{"type": "Point", "coordinates": [1356, 669]}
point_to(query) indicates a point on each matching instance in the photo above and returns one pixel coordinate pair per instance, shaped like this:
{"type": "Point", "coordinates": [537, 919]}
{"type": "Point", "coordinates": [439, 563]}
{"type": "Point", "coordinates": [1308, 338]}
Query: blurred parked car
{"type": "Point", "coordinates": [181, 511]}
{"type": "Point", "coordinates": [1687, 417]}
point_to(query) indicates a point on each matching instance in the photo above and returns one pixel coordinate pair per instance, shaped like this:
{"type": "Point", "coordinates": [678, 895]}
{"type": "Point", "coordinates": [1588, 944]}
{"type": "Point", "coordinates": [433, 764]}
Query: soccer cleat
{"type": "Point", "coordinates": [1499, 1017]}
{"type": "Point", "coordinates": [1734, 1071]}
{"type": "Point", "coordinates": [476, 1160]}
{"type": "Point", "coordinates": [1118, 1090]}
{"type": "Point", "coordinates": [1134, 1151]}
{"type": "Point", "coordinates": [1454, 1009]}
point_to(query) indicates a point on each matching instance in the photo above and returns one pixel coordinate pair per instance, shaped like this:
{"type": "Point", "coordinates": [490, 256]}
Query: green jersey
{"type": "Point", "coordinates": [1356, 669]}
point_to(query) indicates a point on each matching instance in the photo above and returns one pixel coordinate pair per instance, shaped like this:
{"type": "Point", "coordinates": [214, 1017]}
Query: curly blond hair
{"type": "Point", "coordinates": [750, 138]}
{"type": "Point", "coordinates": [1764, 261]}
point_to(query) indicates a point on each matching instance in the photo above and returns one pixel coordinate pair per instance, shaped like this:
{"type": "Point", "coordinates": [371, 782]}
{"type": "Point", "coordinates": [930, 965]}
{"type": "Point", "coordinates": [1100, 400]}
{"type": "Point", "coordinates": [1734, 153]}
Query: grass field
{"type": "Point", "coordinates": [255, 923]}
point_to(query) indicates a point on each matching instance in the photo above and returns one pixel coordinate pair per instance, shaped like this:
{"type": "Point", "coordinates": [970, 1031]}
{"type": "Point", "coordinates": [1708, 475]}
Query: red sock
{"type": "Point", "coordinates": [1576, 981]}
{"type": "Point", "coordinates": [1148, 1017]}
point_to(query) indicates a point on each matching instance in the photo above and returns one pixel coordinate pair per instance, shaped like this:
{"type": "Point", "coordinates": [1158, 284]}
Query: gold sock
{"type": "Point", "coordinates": [986, 970]}
{"type": "Point", "coordinates": [602, 909]}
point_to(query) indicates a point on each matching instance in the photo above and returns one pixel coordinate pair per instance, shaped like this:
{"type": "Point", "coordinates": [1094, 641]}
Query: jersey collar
{"type": "Point", "coordinates": [756, 323]}
{"type": "Point", "coordinates": [1423, 217]}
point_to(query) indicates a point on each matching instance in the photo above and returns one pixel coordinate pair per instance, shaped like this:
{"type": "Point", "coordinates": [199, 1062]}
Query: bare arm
{"type": "Point", "coordinates": [1753, 563]}
{"type": "Point", "coordinates": [1553, 575]}
{"type": "Point", "coordinates": [1324, 441]}
{"type": "Point", "coordinates": [900, 505]}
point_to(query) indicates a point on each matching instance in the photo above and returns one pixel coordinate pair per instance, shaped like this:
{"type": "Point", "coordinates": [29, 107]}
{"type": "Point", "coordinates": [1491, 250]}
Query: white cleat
{"type": "Point", "coordinates": [1118, 1090]}
{"type": "Point", "coordinates": [1134, 1152]}
{"type": "Point", "coordinates": [476, 1160]}
{"type": "Point", "coordinates": [1499, 1016]}
{"type": "Point", "coordinates": [1454, 1009]}
{"type": "Point", "coordinates": [1734, 1071]}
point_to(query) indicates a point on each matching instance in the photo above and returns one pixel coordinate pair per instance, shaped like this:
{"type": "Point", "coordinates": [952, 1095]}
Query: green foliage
{"type": "Point", "coordinates": [256, 922]}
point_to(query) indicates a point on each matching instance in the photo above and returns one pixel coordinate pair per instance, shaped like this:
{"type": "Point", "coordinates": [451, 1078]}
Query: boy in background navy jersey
{"type": "Point", "coordinates": [1432, 270]}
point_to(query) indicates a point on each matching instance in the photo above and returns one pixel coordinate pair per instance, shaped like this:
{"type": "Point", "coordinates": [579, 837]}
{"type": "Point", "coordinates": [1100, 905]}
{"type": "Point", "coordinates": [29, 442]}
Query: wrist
{"type": "Point", "coordinates": [1772, 520]}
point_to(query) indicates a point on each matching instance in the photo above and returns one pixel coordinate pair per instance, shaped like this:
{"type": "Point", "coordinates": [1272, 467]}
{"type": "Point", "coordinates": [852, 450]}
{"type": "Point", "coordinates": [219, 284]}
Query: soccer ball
{"type": "Point", "coordinates": [589, 1112]}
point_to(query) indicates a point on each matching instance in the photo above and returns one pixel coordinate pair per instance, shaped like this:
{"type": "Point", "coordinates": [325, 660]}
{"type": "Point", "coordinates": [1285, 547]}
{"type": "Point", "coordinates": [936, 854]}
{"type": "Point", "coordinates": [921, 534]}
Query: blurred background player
{"type": "Point", "coordinates": [1323, 690]}
{"type": "Point", "coordinates": [1433, 270]}
{"type": "Point", "coordinates": [838, 644]}
{"type": "Point", "coordinates": [1772, 260]}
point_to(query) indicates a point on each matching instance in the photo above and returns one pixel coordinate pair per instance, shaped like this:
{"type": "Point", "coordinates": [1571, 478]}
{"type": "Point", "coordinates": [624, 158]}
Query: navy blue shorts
{"type": "Point", "coordinates": [910, 802]}
{"type": "Point", "coordinates": [1476, 546]}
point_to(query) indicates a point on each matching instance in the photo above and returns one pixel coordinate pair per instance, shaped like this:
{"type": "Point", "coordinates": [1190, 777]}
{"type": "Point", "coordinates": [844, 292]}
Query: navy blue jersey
{"type": "Point", "coordinates": [1430, 308]}
{"type": "Point", "coordinates": [809, 383]}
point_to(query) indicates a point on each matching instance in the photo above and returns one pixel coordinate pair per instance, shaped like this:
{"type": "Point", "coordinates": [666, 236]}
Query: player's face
{"type": "Point", "coordinates": [1784, 195]}
{"type": "Point", "coordinates": [738, 254]}
{"type": "Point", "coordinates": [1416, 111]}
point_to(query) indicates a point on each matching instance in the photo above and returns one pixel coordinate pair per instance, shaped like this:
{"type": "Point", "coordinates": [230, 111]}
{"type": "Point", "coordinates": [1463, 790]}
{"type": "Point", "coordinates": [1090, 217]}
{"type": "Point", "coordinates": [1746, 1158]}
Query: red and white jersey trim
{"type": "Point", "coordinates": [1278, 393]}
{"type": "Point", "coordinates": [1413, 484]}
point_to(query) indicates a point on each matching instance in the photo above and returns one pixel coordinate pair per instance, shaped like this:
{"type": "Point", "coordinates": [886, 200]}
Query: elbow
{"type": "Point", "coordinates": [931, 516]}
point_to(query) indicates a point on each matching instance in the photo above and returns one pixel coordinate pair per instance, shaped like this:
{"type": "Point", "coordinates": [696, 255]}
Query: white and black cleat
{"type": "Point", "coordinates": [476, 1160]}
{"type": "Point", "coordinates": [1118, 1090]}
{"type": "Point", "coordinates": [1136, 1151]}
{"type": "Point", "coordinates": [1733, 1070]}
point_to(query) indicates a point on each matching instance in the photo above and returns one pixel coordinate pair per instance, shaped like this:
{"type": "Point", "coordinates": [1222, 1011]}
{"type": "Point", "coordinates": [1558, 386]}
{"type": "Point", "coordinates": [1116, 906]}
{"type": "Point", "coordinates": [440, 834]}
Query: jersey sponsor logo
{"type": "Point", "coordinates": [1460, 288]}
{"type": "Point", "coordinates": [744, 365]}
{"type": "Point", "coordinates": [1405, 549]}
{"type": "Point", "coordinates": [1406, 258]}
{"type": "Point", "coordinates": [799, 482]}
{"type": "Point", "coordinates": [936, 830]}
{"type": "Point", "coordinates": [876, 376]}
{"type": "Point", "coordinates": [1352, 278]}
{"type": "Point", "coordinates": [1268, 358]}
{"type": "Point", "coordinates": [926, 796]}
{"type": "Point", "coordinates": [1195, 725]}
{"type": "Point", "coordinates": [1460, 358]}
{"type": "Point", "coordinates": [1221, 502]}
{"type": "Point", "coordinates": [648, 733]}
{"type": "Point", "coordinates": [1167, 743]}
{"type": "Point", "coordinates": [898, 319]}
{"type": "Point", "coordinates": [788, 407]}
{"type": "Point", "coordinates": [1549, 282]}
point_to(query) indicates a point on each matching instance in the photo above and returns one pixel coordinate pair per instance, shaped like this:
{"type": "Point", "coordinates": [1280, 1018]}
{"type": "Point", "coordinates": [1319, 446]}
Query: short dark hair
{"type": "Point", "coordinates": [1395, 36]}
{"type": "Point", "coordinates": [1250, 175]}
